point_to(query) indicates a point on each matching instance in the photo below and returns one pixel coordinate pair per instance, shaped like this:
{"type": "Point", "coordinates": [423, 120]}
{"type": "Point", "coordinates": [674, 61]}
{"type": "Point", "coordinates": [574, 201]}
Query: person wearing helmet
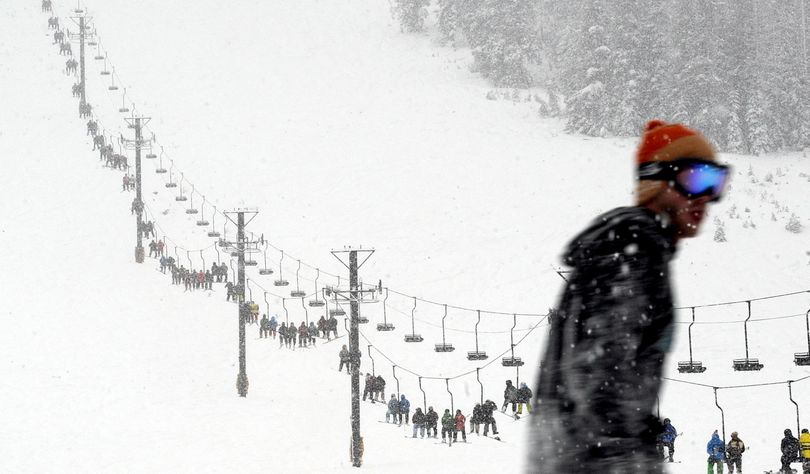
{"type": "Point", "coordinates": [790, 450]}
{"type": "Point", "coordinates": [716, 451]}
{"type": "Point", "coordinates": [734, 450]}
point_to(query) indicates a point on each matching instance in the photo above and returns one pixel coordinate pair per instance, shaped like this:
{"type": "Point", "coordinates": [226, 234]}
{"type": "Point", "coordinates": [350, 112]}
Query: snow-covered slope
{"type": "Point", "coordinates": [342, 131]}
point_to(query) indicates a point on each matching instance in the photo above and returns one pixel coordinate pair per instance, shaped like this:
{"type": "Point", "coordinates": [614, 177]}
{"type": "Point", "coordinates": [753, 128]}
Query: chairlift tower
{"type": "Point", "coordinates": [83, 21]}
{"type": "Point", "coordinates": [354, 295]}
{"type": "Point", "coordinates": [137, 123]}
{"type": "Point", "coordinates": [241, 247]}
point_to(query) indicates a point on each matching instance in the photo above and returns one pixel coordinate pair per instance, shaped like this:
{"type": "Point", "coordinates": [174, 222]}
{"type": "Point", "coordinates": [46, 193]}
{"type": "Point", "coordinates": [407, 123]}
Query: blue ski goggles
{"type": "Point", "coordinates": [692, 177]}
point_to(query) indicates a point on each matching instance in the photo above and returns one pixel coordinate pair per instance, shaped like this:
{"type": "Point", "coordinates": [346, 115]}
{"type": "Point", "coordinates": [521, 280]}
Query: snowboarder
{"type": "Point", "coordinates": [404, 409]}
{"type": "Point", "coordinates": [790, 449]}
{"type": "Point", "coordinates": [344, 359]}
{"type": "Point", "coordinates": [393, 408]}
{"type": "Point", "coordinates": [380, 387]}
{"type": "Point", "coordinates": [715, 449]}
{"type": "Point", "coordinates": [804, 444]}
{"type": "Point", "coordinates": [264, 327]}
{"type": "Point", "coordinates": [509, 396]}
{"type": "Point", "coordinates": [459, 422]}
{"type": "Point", "coordinates": [613, 328]}
{"type": "Point", "coordinates": [524, 397]}
{"type": "Point", "coordinates": [475, 420]}
{"type": "Point", "coordinates": [368, 387]}
{"type": "Point", "coordinates": [448, 425]}
{"type": "Point", "coordinates": [734, 450]}
{"type": "Point", "coordinates": [667, 440]}
{"type": "Point", "coordinates": [432, 421]}
{"type": "Point", "coordinates": [418, 423]}
{"type": "Point", "coordinates": [487, 417]}
{"type": "Point", "coordinates": [273, 325]}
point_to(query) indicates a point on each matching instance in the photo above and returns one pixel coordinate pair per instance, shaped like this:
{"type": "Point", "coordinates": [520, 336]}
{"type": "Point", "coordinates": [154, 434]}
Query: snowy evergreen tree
{"type": "Point", "coordinates": [794, 224]}
{"type": "Point", "coordinates": [720, 234]}
{"type": "Point", "coordinates": [411, 14]}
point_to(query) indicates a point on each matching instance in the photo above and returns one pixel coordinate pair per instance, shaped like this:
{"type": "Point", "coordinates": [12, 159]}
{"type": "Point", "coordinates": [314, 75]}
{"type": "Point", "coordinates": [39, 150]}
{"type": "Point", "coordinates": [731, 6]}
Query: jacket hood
{"type": "Point", "coordinates": [623, 229]}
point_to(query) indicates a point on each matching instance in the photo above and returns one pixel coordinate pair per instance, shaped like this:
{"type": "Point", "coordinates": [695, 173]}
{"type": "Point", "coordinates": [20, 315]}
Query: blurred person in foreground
{"type": "Point", "coordinates": [602, 367]}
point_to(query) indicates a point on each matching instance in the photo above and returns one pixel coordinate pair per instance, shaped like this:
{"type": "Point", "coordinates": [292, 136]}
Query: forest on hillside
{"type": "Point", "coordinates": [737, 70]}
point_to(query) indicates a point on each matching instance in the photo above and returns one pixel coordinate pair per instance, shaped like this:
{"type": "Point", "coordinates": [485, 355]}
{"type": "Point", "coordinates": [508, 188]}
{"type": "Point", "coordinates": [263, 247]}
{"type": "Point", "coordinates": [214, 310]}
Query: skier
{"type": "Point", "coordinates": [264, 327]}
{"type": "Point", "coordinates": [393, 408]}
{"type": "Point", "coordinates": [303, 334]}
{"type": "Point", "coordinates": [229, 293]}
{"type": "Point", "coordinates": [431, 421]}
{"type": "Point", "coordinates": [404, 409]}
{"type": "Point", "coordinates": [313, 332]}
{"type": "Point", "coordinates": [459, 422]}
{"type": "Point", "coordinates": [322, 327]}
{"type": "Point", "coordinates": [418, 423]}
{"type": "Point", "coordinates": [291, 334]}
{"type": "Point", "coordinates": [447, 426]}
{"type": "Point", "coordinates": [209, 280]}
{"type": "Point", "coordinates": [715, 449]}
{"type": "Point", "coordinates": [604, 356]}
{"type": "Point", "coordinates": [524, 397]}
{"type": "Point", "coordinates": [380, 387]}
{"type": "Point", "coordinates": [344, 359]}
{"type": "Point", "coordinates": [332, 327]}
{"type": "Point", "coordinates": [487, 410]}
{"type": "Point", "coordinates": [790, 448]}
{"type": "Point", "coordinates": [273, 325]}
{"type": "Point", "coordinates": [667, 440]}
{"type": "Point", "coordinates": [369, 385]}
{"type": "Point", "coordinates": [734, 450]}
{"type": "Point", "coordinates": [475, 420]}
{"type": "Point", "coordinates": [509, 396]}
{"type": "Point", "coordinates": [282, 335]}
{"type": "Point", "coordinates": [804, 443]}
{"type": "Point", "coordinates": [162, 264]}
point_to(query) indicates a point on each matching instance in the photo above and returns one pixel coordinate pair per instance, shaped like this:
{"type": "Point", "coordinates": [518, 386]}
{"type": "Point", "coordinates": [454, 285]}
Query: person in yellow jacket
{"type": "Point", "coordinates": [804, 443]}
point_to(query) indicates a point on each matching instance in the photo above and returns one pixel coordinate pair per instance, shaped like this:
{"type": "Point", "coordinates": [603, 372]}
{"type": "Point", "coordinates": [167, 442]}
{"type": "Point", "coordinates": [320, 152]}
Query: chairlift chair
{"type": "Point", "coordinates": [171, 183]}
{"type": "Point", "coordinates": [337, 312]}
{"type": "Point", "coordinates": [105, 72]}
{"type": "Point", "coordinates": [413, 337]}
{"type": "Point", "coordinates": [803, 358]}
{"type": "Point", "coordinates": [512, 361]}
{"type": "Point", "coordinates": [746, 364]}
{"type": "Point", "coordinates": [265, 270]}
{"type": "Point", "coordinates": [191, 209]}
{"type": "Point", "coordinates": [213, 232]}
{"type": "Point", "coordinates": [160, 169]}
{"type": "Point", "coordinates": [691, 366]}
{"type": "Point", "coordinates": [112, 86]}
{"type": "Point", "coordinates": [234, 254]}
{"type": "Point", "coordinates": [444, 346]}
{"type": "Point", "coordinates": [477, 354]}
{"type": "Point", "coordinates": [124, 109]}
{"type": "Point", "coordinates": [298, 292]}
{"type": "Point", "coordinates": [180, 197]}
{"type": "Point", "coordinates": [316, 303]}
{"type": "Point", "coordinates": [281, 281]}
{"type": "Point", "coordinates": [201, 222]}
{"type": "Point", "coordinates": [360, 318]}
{"type": "Point", "coordinates": [385, 326]}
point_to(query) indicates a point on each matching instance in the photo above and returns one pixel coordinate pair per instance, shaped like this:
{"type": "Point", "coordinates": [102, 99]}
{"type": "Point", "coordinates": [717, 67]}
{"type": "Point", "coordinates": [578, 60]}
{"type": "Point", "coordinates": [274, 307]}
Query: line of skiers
{"type": "Point", "coordinates": [192, 279]}
{"type": "Point", "coordinates": [156, 250]}
{"type": "Point", "coordinates": [306, 335]}
{"type": "Point", "coordinates": [730, 454]}
{"type": "Point", "coordinates": [399, 411]}
{"type": "Point", "coordinates": [517, 398]}
{"type": "Point", "coordinates": [374, 388]}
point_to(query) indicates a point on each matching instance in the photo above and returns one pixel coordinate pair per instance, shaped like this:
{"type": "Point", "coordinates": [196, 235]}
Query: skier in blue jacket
{"type": "Point", "coordinates": [716, 451]}
{"type": "Point", "coordinates": [667, 439]}
{"type": "Point", "coordinates": [404, 409]}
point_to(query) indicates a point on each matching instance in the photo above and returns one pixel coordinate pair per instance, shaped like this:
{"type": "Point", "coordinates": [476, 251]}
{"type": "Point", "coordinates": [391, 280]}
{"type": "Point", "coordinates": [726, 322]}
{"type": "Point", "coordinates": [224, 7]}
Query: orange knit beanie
{"type": "Point", "coordinates": [663, 141]}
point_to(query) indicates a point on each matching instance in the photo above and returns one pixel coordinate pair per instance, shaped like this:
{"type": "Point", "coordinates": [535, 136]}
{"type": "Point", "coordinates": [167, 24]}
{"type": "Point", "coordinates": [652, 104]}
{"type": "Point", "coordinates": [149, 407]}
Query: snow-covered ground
{"type": "Point", "coordinates": [342, 131]}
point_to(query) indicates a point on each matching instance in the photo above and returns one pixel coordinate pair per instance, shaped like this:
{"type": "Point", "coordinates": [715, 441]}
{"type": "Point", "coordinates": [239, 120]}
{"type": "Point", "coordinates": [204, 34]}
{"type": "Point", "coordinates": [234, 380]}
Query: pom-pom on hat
{"type": "Point", "coordinates": [664, 141]}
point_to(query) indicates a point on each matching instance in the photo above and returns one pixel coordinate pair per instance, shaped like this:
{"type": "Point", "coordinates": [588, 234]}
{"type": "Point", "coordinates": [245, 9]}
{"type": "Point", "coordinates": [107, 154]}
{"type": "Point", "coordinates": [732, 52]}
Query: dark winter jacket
{"type": "Point", "coordinates": [790, 446]}
{"type": "Point", "coordinates": [393, 405]}
{"type": "Point", "coordinates": [478, 414]}
{"type": "Point", "coordinates": [404, 405]}
{"type": "Point", "coordinates": [418, 417]}
{"type": "Point", "coordinates": [715, 448]}
{"type": "Point", "coordinates": [447, 420]}
{"type": "Point", "coordinates": [510, 393]}
{"type": "Point", "coordinates": [670, 433]}
{"type": "Point", "coordinates": [524, 394]}
{"type": "Point", "coordinates": [487, 409]}
{"type": "Point", "coordinates": [344, 355]}
{"type": "Point", "coordinates": [603, 361]}
{"type": "Point", "coordinates": [431, 418]}
{"type": "Point", "coordinates": [735, 448]}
